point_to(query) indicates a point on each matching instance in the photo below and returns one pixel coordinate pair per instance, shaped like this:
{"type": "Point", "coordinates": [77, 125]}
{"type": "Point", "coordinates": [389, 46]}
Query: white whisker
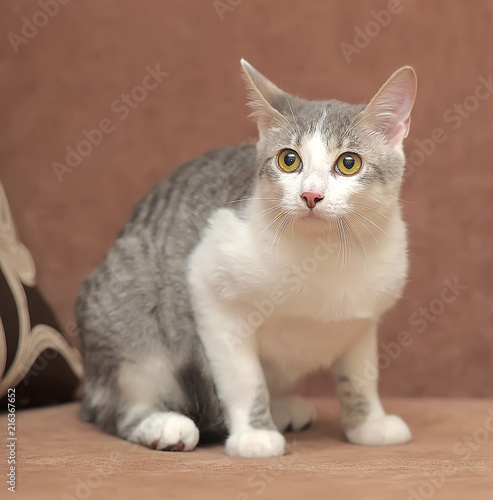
{"type": "Point", "coordinates": [343, 240]}
{"type": "Point", "coordinates": [356, 240]}
{"type": "Point", "coordinates": [371, 209]}
{"type": "Point", "coordinates": [356, 212]}
{"type": "Point", "coordinates": [254, 198]}
{"type": "Point", "coordinates": [355, 215]}
{"type": "Point", "coordinates": [294, 117]}
{"type": "Point", "coordinates": [272, 222]}
{"type": "Point", "coordinates": [280, 232]}
{"type": "Point", "coordinates": [271, 209]}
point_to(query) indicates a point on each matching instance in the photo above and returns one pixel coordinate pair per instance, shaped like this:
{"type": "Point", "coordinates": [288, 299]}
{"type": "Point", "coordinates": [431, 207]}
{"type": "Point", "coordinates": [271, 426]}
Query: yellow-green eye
{"type": "Point", "coordinates": [289, 160]}
{"type": "Point", "coordinates": [348, 164]}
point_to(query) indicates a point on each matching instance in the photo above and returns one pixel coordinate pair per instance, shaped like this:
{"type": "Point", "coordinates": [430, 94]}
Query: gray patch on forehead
{"type": "Point", "coordinates": [340, 119]}
{"type": "Point", "coordinates": [297, 141]}
{"type": "Point", "coordinates": [333, 118]}
{"type": "Point", "coordinates": [303, 116]}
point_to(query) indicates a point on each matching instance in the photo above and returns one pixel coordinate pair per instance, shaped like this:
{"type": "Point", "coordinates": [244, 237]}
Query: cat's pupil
{"type": "Point", "coordinates": [348, 162]}
{"type": "Point", "coordinates": [289, 159]}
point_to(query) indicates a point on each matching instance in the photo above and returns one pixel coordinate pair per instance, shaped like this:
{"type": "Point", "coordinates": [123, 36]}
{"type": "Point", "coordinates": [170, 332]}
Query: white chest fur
{"type": "Point", "coordinates": [303, 299]}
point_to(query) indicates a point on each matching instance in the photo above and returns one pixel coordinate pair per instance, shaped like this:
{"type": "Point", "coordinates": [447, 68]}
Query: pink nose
{"type": "Point", "coordinates": [311, 199]}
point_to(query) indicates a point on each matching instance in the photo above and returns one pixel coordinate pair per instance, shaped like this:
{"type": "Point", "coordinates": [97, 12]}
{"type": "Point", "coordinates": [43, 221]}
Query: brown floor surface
{"type": "Point", "coordinates": [62, 458]}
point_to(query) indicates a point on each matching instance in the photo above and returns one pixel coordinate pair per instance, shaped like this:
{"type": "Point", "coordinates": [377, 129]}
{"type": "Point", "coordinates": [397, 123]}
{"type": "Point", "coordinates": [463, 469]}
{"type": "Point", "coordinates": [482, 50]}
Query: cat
{"type": "Point", "coordinates": [248, 268]}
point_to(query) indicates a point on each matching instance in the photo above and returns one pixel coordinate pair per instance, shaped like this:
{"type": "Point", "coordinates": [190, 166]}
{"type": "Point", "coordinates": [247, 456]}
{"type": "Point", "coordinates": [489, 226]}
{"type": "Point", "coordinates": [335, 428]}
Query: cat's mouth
{"type": "Point", "coordinates": [317, 217]}
{"type": "Point", "coordinates": [314, 216]}
{"type": "Point", "coordinates": [311, 215]}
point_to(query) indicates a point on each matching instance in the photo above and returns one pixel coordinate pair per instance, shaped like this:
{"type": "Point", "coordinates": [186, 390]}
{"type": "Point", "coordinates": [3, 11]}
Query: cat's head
{"type": "Point", "coordinates": [319, 160]}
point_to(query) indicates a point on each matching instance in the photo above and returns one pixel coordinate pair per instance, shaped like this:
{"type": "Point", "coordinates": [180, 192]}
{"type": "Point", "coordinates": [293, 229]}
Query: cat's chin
{"type": "Point", "coordinates": [314, 221]}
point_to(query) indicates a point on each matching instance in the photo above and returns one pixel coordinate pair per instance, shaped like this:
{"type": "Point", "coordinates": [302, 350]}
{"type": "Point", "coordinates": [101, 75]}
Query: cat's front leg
{"type": "Point", "coordinates": [240, 384]}
{"type": "Point", "coordinates": [362, 416]}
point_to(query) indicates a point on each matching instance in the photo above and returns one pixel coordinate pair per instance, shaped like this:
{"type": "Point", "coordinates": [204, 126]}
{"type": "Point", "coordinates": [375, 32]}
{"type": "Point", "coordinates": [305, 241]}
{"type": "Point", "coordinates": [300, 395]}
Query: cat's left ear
{"type": "Point", "coordinates": [389, 112]}
{"type": "Point", "coordinates": [264, 97]}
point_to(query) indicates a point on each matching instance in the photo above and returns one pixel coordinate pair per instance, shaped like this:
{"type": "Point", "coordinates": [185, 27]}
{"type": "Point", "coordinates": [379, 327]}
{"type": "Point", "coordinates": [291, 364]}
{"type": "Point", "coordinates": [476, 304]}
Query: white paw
{"type": "Point", "coordinates": [167, 431]}
{"type": "Point", "coordinates": [383, 431]}
{"type": "Point", "coordinates": [256, 444]}
{"type": "Point", "coordinates": [292, 414]}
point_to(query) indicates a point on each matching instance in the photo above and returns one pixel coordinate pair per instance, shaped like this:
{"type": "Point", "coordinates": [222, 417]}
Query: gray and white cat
{"type": "Point", "coordinates": [248, 268]}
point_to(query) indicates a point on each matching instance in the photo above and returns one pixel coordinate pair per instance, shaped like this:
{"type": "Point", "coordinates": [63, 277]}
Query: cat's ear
{"type": "Point", "coordinates": [389, 112]}
{"type": "Point", "coordinates": [263, 98]}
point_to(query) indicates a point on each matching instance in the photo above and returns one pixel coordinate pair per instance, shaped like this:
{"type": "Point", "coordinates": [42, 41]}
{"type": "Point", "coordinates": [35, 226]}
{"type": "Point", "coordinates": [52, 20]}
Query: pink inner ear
{"type": "Point", "coordinates": [399, 132]}
{"type": "Point", "coordinates": [392, 106]}
{"type": "Point", "coordinates": [262, 93]}
{"type": "Point", "coordinates": [391, 111]}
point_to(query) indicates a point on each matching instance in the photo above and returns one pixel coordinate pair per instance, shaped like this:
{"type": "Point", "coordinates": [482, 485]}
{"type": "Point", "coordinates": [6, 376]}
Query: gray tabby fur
{"type": "Point", "coordinates": [138, 296]}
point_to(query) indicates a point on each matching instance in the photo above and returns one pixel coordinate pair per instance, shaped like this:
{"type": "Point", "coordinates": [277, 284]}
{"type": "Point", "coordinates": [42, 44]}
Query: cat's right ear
{"type": "Point", "coordinates": [263, 98]}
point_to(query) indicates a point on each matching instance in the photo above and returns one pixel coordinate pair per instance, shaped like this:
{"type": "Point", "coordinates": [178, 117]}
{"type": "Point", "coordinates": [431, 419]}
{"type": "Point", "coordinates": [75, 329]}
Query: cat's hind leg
{"type": "Point", "coordinates": [142, 402]}
{"type": "Point", "coordinates": [168, 431]}
{"type": "Point", "coordinates": [152, 398]}
{"type": "Point", "coordinates": [362, 415]}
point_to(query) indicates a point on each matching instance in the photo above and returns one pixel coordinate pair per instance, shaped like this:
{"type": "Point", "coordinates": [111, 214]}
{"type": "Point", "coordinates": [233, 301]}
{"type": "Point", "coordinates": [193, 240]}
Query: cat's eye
{"type": "Point", "coordinates": [289, 160]}
{"type": "Point", "coordinates": [348, 163]}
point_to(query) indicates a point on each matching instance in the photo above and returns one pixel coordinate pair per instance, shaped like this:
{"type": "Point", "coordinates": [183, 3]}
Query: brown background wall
{"type": "Point", "coordinates": [66, 77]}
